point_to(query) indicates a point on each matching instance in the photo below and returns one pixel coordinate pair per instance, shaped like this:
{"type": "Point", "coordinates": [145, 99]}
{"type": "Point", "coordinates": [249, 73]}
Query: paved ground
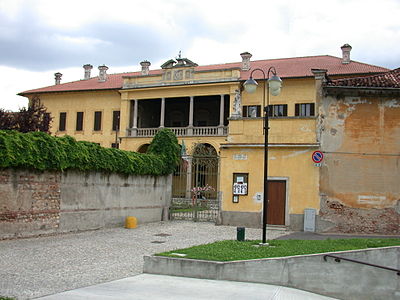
{"type": "Point", "coordinates": [158, 287]}
{"type": "Point", "coordinates": [102, 262]}
{"type": "Point", "coordinates": [35, 267]}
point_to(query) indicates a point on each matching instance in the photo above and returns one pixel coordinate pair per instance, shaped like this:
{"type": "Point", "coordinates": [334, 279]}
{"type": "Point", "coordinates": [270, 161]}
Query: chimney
{"type": "Point", "coordinates": [103, 73]}
{"type": "Point", "coordinates": [58, 76]}
{"type": "Point", "coordinates": [346, 48]}
{"type": "Point", "coordinates": [245, 60]}
{"type": "Point", "coordinates": [88, 68]}
{"type": "Point", "coordinates": [145, 67]}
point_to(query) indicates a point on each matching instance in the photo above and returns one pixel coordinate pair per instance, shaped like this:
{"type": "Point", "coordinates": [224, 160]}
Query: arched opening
{"type": "Point", "coordinates": [205, 150]}
{"type": "Point", "coordinates": [143, 148]}
{"type": "Point", "coordinates": [205, 168]}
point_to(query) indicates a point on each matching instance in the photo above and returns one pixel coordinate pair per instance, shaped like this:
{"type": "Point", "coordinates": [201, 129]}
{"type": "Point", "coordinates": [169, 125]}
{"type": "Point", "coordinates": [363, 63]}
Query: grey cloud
{"type": "Point", "coordinates": [27, 43]}
{"type": "Point", "coordinates": [195, 26]}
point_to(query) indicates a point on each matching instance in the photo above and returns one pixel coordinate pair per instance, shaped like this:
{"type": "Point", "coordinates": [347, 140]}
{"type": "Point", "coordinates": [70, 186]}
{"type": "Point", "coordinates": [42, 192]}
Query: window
{"type": "Point", "coordinates": [63, 121]}
{"type": "Point", "coordinates": [115, 145]}
{"type": "Point", "coordinates": [277, 110]}
{"type": "Point", "coordinates": [79, 121]}
{"type": "Point", "coordinates": [251, 111]}
{"type": "Point", "coordinates": [304, 109]}
{"type": "Point", "coordinates": [115, 124]}
{"type": "Point", "coordinates": [97, 121]}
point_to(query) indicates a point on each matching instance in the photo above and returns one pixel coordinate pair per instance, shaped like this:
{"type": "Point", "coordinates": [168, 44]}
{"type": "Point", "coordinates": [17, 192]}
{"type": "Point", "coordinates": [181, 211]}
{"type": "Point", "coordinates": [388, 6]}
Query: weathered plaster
{"type": "Point", "coordinates": [359, 180]}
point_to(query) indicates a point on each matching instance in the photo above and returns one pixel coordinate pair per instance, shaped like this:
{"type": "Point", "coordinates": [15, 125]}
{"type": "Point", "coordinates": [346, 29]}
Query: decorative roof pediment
{"type": "Point", "coordinates": [178, 63]}
{"type": "Point", "coordinates": [168, 64]}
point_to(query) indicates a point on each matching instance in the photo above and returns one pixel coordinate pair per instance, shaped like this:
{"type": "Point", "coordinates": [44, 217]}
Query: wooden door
{"type": "Point", "coordinates": [277, 202]}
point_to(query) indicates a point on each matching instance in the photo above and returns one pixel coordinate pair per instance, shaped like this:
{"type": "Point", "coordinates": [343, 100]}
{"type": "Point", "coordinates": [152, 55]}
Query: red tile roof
{"type": "Point", "coordinates": [286, 68]}
{"type": "Point", "coordinates": [389, 79]}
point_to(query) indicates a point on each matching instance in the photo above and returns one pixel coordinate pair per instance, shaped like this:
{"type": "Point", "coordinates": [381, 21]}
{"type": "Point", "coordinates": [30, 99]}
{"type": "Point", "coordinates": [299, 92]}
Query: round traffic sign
{"type": "Point", "coordinates": [317, 156]}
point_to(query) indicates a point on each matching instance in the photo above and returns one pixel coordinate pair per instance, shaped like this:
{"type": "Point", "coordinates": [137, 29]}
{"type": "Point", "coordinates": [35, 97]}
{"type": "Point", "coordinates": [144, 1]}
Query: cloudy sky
{"type": "Point", "coordinates": [41, 37]}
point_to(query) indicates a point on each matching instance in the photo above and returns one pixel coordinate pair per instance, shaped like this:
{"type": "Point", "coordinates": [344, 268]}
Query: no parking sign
{"type": "Point", "coordinates": [317, 157]}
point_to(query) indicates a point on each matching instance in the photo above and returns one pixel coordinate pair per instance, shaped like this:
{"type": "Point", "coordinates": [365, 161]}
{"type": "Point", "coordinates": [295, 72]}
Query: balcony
{"type": "Point", "coordinates": [181, 131]}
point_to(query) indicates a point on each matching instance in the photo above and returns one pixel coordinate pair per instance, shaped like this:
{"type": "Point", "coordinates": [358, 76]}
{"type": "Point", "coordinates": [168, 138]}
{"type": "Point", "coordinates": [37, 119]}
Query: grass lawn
{"type": "Point", "coordinates": [234, 250]}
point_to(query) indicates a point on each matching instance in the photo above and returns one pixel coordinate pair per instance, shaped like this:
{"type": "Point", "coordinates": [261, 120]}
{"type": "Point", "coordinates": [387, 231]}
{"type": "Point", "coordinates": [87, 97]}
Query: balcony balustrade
{"type": "Point", "coordinates": [181, 131]}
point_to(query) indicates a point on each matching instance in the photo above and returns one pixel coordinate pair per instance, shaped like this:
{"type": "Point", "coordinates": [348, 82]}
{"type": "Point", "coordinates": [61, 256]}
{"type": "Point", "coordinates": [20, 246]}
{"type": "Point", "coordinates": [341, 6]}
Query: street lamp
{"type": "Point", "coordinates": [274, 86]}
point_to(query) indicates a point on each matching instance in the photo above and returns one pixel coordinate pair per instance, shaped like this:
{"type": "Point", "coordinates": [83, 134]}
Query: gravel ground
{"type": "Point", "coordinates": [35, 267]}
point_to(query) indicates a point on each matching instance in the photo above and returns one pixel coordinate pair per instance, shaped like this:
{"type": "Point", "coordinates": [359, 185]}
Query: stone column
{"type": "Point", "coordinates": [188, 194]}
{"type": "Point", "coordinates": [221, 111]}
{"type": "Point", "coordinates": [191, 112]}
{"type": "Point", "coordinates": [125, 116]}
{"type": "Point", "coordinates": [221, 115]}
{"type": "Point", "coordinates": [135, 116]}
{"type": "Point", "coordinates": [162, 116]}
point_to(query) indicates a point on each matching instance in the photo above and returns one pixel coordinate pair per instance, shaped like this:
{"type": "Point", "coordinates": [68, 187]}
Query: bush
{"type": "Point", "coordinates": [40, 151]}
{"type": "Point", "coordinates": [33, 118]}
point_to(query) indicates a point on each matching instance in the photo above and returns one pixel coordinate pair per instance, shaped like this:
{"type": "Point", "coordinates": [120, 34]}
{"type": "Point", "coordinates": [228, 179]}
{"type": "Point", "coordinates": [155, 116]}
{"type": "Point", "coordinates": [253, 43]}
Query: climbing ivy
{"type": "Point", "coordinates": [41, 151]}
{"type": "Point", "coordinates": [165, 144]}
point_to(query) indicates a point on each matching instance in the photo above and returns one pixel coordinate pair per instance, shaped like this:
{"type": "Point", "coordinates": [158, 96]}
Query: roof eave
{"type": "Point", "coordinates": [351, 90]}
{"type": "Point", "coordinates": [24, 94]}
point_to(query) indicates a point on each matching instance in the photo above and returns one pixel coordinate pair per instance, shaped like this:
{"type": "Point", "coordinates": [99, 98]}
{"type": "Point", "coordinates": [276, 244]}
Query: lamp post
{"type": "Point", "coordinates": [274, 86]}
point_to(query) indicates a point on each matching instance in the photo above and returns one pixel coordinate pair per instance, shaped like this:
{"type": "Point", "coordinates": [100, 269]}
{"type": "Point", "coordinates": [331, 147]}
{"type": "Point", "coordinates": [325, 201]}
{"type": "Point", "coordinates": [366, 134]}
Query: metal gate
{"type": "Point", "coordinates": [195, 186]}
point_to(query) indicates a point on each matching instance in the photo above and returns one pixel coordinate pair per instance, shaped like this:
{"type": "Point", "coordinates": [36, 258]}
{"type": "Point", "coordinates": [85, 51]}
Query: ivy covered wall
{"type": "Point", "coordinates": [41, 151]}
{"type": "Point", "coordinates": [52, 185]}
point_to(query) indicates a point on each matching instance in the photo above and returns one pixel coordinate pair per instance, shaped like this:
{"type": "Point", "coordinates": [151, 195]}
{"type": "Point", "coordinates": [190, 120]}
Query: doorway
{"type": "Point", "coordinates": [277, 202]}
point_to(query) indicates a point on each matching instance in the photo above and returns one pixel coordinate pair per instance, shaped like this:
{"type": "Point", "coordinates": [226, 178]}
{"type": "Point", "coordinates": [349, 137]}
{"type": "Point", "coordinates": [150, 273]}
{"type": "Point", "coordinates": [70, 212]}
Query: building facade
{"type": "Point", "coordinates": [359, 131]}
{"type": "Point", "coordinates": [207, 108]}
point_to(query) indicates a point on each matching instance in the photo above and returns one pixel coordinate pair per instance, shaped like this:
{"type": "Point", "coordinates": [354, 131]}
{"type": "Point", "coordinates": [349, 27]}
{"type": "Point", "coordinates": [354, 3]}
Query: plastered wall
{"type": "Point", "coordinates": [33, 203]}
{"type": "Point", "coordinates": [359, 183]}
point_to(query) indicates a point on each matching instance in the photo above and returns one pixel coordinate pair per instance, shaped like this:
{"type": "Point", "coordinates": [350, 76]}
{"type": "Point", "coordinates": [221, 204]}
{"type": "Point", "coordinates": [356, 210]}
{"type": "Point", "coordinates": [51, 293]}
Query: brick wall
{"type": "Point", "coordinates": [28, 201]}
{"type": "Point", "coordinates": [33, 203]}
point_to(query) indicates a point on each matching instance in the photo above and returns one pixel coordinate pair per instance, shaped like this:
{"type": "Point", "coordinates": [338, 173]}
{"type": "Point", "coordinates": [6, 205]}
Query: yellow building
{"type": "Point", "coordinates": [219, 124]}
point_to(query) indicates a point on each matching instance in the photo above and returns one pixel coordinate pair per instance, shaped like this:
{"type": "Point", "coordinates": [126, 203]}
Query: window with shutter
{"type": "Point", "coordinates": [115, 124]}
{"type": "Point", "coordinates": [79, 121]}
{"type": "Point", "coordinates": [62, 122]}
{"type": "Point", "coordinates": [251, 111]}
{"type": "Point", "coordinates": [277, 110]}
{"type": "Point", "coordinates": [97, 121]}
{"type": "Point", "coordinates": [304, 109]}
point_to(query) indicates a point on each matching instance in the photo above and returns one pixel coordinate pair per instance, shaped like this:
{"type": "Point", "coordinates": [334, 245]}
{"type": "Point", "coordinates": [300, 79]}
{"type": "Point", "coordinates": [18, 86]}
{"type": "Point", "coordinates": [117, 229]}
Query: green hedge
{"type": "Point", "coordinates": [41, 151]}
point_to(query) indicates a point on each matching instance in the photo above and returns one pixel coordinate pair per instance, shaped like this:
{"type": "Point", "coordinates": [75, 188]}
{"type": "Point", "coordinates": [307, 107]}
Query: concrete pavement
{"type": "Point", "coordinates": [157, 287]}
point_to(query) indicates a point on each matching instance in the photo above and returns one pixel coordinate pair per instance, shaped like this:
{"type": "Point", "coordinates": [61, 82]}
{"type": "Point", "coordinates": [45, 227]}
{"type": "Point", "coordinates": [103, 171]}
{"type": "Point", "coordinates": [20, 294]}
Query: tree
{"type": "Point", "coordinates": [7, 120]}
{"type": "Point", "coordinates": [33, 118]}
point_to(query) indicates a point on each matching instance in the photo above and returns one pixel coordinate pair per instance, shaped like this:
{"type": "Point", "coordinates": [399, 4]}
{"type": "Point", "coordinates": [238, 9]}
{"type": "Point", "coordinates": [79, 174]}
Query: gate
{"type": "Point", "coordinates": [194, 186]}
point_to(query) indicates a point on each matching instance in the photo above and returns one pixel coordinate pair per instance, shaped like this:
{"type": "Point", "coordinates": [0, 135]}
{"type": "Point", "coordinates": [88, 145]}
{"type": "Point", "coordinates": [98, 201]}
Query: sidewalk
{"type": "Point", "coordinates": [159, 287]}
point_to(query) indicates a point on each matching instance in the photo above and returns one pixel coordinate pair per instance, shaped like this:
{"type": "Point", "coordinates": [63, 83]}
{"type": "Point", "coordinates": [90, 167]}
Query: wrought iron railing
{"type": "Point", "coordinates": [338, 259]}
{"type": "Point", "coordinates": [206, 210]}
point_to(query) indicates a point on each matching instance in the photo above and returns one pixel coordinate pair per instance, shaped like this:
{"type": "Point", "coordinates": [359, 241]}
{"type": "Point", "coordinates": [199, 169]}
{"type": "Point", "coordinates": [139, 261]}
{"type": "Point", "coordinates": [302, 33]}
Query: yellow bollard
{"type": "Point", "coordinates": [130, 222]}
